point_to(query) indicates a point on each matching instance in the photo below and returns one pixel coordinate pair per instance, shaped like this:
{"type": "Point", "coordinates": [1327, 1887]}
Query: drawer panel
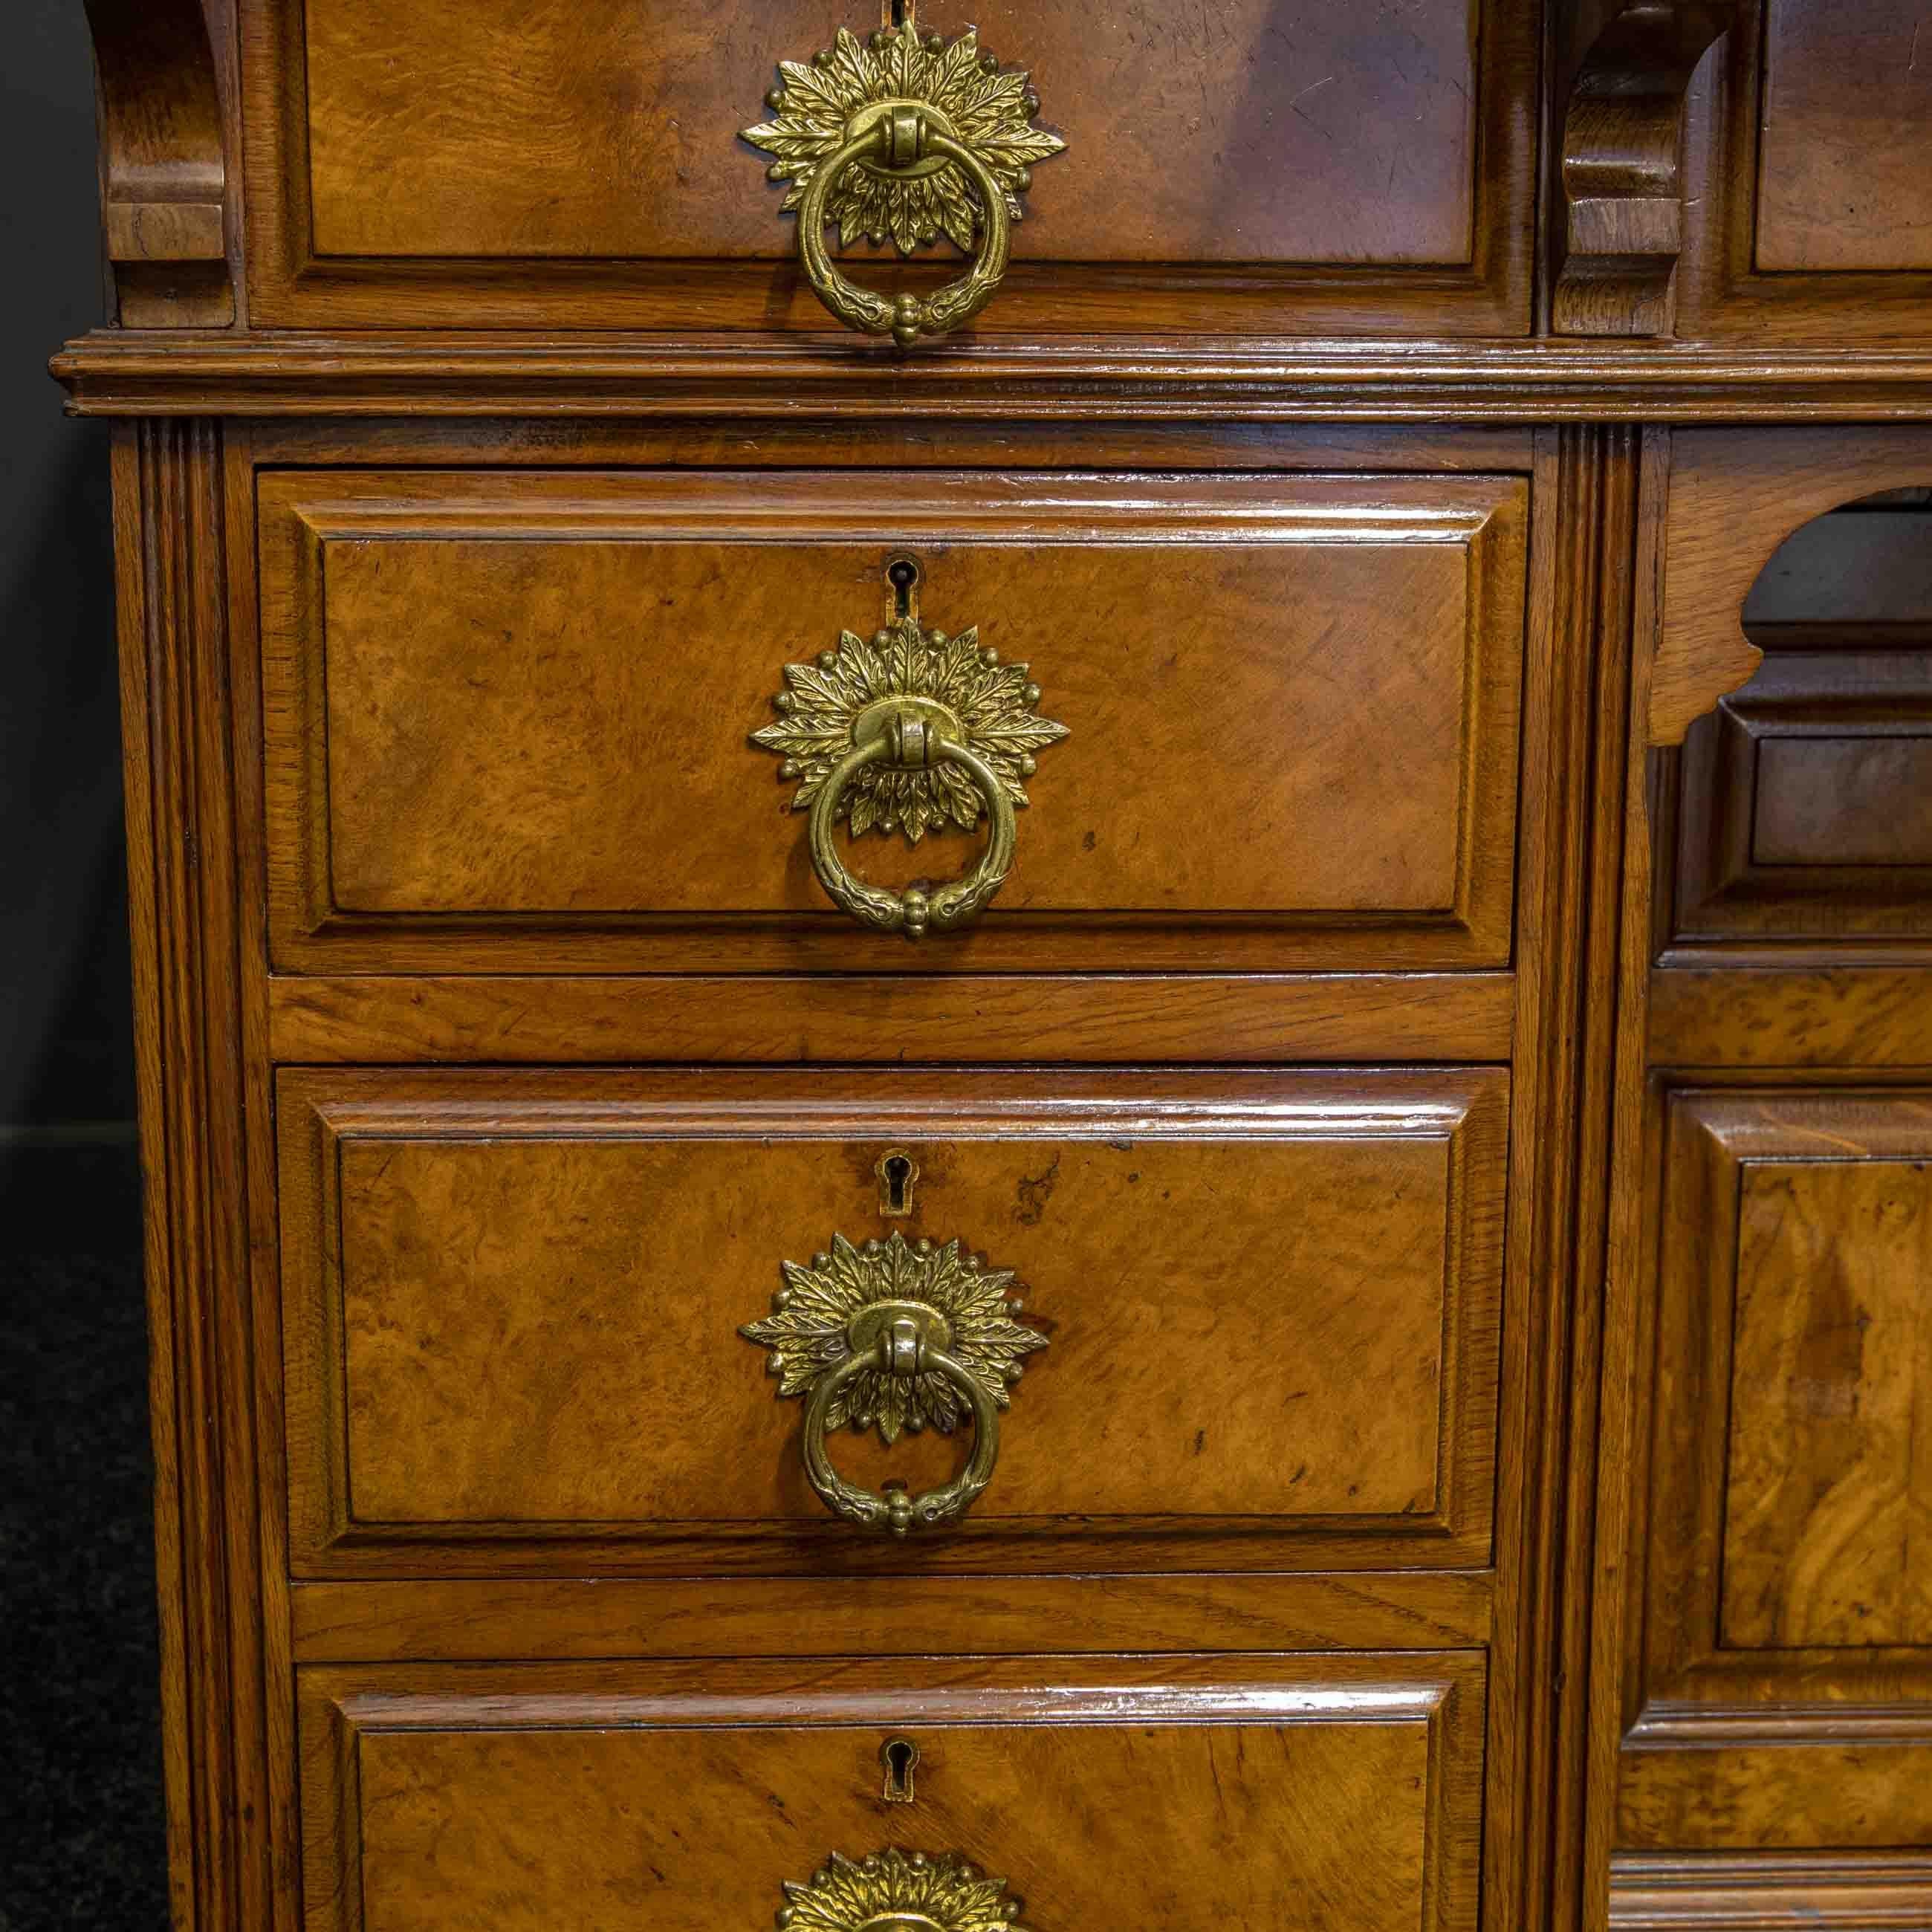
{"type": "Point", "coordinates": [1846, 173]}
{"type": "Point", "coordinates": [428, 138]}
{"type": "Point", "coordinates": [1787, 1596]}
{"type": "Point", "coordinates": [1268, 1304]}
{"type": "Point", "coordinates": [1296, 1792]}
{"type": "Point", "coordinates": [509, 716]}
{"type": "Point", "coordinates": [468, 163]}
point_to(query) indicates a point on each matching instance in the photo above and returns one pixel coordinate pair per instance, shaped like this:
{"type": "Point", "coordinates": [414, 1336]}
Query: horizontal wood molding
{"type": "Point", "coordinates": [762, 377]}
{"type": "Point", "coordinates": [1091, 1019]}
{"type": "Point", "coordinates": [1754, 1891]}
{"type": "Point", "coordinates": [1791, 1016]}
{"type": "Point", "coordinates": [478, 1620]}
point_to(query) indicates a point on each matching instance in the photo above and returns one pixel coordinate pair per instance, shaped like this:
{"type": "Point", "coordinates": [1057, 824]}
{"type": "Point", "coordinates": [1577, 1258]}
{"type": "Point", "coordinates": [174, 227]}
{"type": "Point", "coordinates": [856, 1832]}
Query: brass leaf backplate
{"type": "Point", "coordinates": [899, 1892]}
{"type": "Point", "coordinates": [963, 693]}
{"type": "Point", "coordinates": [959, 90]}
{"type": "Point", "coordinates": [834, 1308]}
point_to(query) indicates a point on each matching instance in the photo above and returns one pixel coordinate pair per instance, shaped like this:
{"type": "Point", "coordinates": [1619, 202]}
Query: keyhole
{"type": "Point", "coordinates": [897, 1171]}
{"type": "Point", "coordinates": [898, 1755]}
{"type": "Point", "coordinates": [903, 575]}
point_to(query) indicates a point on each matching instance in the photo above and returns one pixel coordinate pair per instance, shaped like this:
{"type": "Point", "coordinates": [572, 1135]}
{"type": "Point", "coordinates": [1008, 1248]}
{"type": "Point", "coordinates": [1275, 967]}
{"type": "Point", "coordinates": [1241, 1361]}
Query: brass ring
{"type": "Point", "coordinates": [898, 1510]}
{"type": "Point", "coordinates": [915, 910]}
{"type": "Point", "coordinates": [908, 317]}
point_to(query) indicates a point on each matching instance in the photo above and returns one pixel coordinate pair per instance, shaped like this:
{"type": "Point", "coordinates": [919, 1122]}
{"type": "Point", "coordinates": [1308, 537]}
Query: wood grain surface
{"type": "Point", "coordinates": [1270, 1299]}
{"type": "Point", "coordinates": [1826, 1529]}
{"type": "Point", "coordinates": [461, 129]}
{"type": "Point", "coordinates": [1846, 166]}
{"type": "Point", "coordinates": [522, 696]}
{"type": "Point", "coordinates": [1263, 165]}
{"type": "Point", "coordinates": [1301, 1792]}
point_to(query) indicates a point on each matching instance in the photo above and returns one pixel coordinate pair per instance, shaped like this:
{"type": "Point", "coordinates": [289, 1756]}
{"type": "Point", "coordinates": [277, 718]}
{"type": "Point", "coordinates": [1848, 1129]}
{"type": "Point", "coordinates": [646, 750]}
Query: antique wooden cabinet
{"type": "Point", "coordinates": [1034, 913]}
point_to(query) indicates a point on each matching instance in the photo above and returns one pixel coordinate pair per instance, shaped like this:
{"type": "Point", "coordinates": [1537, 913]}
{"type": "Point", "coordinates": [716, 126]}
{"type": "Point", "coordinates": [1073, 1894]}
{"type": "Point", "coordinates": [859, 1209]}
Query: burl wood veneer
{"type": "Point", "coordinates": [1445, 1064]}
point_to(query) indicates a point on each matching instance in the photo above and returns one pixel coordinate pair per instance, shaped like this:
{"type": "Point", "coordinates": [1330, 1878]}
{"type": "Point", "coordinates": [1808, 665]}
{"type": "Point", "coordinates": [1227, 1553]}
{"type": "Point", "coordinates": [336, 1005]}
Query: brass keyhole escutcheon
{"type": "Point", "coordinates": [900, 1756]}
{"type": "Point", "coordinates": [897, 1171]}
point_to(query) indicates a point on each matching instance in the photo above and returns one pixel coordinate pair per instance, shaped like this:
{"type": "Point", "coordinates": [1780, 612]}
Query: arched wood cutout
{"type": "Point", "coordinates": [163, 175]}
{"type": "Point", "coordinates": [1622, 163]}
{"type": "Point", "coordinates": [1735, 495]}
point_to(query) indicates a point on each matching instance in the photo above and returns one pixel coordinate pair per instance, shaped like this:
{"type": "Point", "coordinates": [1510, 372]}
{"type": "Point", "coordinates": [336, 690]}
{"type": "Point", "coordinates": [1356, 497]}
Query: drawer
{"type": "Point", "coordinates": [1251, 722]}
{"type": "Point", "coordinates": [478, 163]}
{"type": "Point", "coordinates": [1255, 1319]}
{"type": "Point", "coordinates": [1808, 212]}
{"type": "Point", "coordinates": [1296, 1792]}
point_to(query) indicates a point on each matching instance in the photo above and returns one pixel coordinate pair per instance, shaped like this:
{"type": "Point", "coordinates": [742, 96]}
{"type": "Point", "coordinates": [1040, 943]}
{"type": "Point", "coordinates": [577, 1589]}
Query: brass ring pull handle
{"type": "Point", "coordinates": [902, 139]}
{"type": "Point", "coordinates": [910, 732]}
{"type": "Point", "coordinates": [903, 1348]}
{"type": "Point", "coordinates": [918, 909]}
{"type": "Point", "coordinates": [894, 1890]}
{"type": "Point", "coordinates": [898, 1335]}
{"type": "Point", "coordinates": [911, 132]}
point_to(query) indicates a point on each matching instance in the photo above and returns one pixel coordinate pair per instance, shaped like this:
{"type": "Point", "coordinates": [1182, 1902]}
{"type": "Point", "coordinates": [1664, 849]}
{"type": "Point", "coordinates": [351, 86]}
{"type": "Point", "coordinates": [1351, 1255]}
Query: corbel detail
{"type": "Point", "coordinates": [1622, 162]}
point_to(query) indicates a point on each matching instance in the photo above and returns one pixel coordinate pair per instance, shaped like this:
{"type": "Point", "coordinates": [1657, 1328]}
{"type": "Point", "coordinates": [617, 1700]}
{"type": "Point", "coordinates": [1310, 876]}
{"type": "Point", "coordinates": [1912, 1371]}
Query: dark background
{"type": "Point", "coordinates": [80, 1821]}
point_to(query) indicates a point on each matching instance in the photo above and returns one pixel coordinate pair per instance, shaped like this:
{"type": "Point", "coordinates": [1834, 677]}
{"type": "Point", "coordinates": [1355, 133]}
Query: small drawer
{"type": "Point", "coordinates": [1301, 1793]}
{"type": "Point", "coordinates": [1252, 1321]}
{"type": "Point", "coordinates": [1229, 721]}
{"type": "Point", "coordinates": [478, 163]}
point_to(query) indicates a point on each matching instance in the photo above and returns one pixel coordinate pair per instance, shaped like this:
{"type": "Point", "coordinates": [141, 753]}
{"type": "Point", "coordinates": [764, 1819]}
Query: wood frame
{"type": "Point", "coordinates": [291, 288]}
{"type": "Point", "coordinates": [1723, 892]}
{"type": "Point", "coordinates": [1695, 1021]}
{"type": "Point", "coordinates": [1444, 1691]}
{"type": "Point", "coordinates": [1788, 394]}
{"type": "Point", "coordinates": [320, 1114]}
{"type": "Point", "coordinates": [298, 515]}
{"type": "Point", "coordinates": [1721, 292]}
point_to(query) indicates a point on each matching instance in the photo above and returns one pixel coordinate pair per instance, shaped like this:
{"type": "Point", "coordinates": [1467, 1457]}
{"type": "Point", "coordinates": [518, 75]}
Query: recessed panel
{"type": "Point", "coordinates": [460, 129]}
{"type": "Point", "coordinates": [1846, 154]}
{"type": "Point", "coordinates": [1257, 1312]}
{"type": "Point", "coordinates": [522, 703]}
{"type": "Point", "coordinates": [1303, 1794]}
{"type": "Point", "coordinates": [1828, 1535]}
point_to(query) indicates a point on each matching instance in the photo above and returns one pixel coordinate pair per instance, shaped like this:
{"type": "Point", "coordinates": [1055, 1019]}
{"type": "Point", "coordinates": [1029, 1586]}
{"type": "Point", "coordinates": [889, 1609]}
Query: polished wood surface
{"type": "Point", "coordinates": [484, 1619]}
{"type": "Point", "coordinates": [1230, 1019]}
{"type": "Point", "coordinates": [1326, 773]}
{"type": "Point", "coordinates": [1620, 163]}
{"type": "Point", "coordinates": [1783, 1665]}
{"type": "Point", "coordinates": [473, 128]}
{"type": "Point", "coordinates": [1259, 170]}
{"type": "Point", "coordinates": [484, 1368]}
{"type": "Point", "coordinates": [164, 170]}
{"type": "Point", "coordinates": [1371, 589]}
{"type": "Point", "coordinates": [1734, 1892]}
{"type": "Point", "coordinates": [1846, 154]}
{"type": "Point", "coordinates": [1296, 1790]}
{"type": "Point", "coordinates": [1827, 1484]}
{"type": "Point", "coordinates": [1804, 204]}
{"type": "Point", "coordinates": [1805, 810]}
{"type": "Point", "coordinates": [1732, 501]}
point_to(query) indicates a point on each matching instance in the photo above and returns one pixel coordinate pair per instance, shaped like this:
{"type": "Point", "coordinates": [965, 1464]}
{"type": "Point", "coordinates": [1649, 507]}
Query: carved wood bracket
{"type": "Point", "coordinates": [1735, 496]}
{"type": "Point", "coordinates": [1621, 164]}
{"type": "Point", "coordinates": [164, 176]}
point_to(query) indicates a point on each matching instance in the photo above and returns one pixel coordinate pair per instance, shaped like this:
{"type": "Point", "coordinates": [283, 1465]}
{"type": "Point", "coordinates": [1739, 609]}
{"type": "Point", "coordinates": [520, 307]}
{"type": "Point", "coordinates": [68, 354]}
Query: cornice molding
{"type": "Point", "coordinates": [156, 373]}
